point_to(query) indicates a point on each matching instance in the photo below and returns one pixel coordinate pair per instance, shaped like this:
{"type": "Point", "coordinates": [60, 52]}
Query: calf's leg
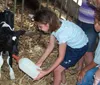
{"type": "Point", "coordinates": [9, 61]}
{"type": "Point", "coordinates": [1, 62]}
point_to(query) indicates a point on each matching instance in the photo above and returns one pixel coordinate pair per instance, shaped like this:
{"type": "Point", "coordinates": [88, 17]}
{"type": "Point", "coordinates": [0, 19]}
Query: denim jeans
{"type": "Point", "coordinates": [91, 34]}
{"type": "Point", "coordinates": [88, 78]}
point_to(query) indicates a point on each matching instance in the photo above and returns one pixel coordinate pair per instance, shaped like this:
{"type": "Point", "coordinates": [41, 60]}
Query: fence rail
{"type": "Point", "coordinates": [61, 11]}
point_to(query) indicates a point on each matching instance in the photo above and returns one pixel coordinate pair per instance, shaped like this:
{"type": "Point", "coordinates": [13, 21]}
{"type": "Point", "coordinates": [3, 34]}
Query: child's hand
{"type": "Point", "coordinates": [81, 75]}
{"type": "Point", "coordinates": [41, 75]}
{"type": "Point", "coordinates": [39, 64]}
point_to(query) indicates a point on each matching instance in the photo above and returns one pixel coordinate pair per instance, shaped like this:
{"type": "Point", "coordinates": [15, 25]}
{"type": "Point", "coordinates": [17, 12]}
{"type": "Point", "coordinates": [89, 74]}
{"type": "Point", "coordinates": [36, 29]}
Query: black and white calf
{"type": "Point", "coordinates": [9, 43]}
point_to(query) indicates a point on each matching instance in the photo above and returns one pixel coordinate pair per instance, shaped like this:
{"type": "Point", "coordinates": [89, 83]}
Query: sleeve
{"type": "Point", "coordinates": [62, 39]}
{"type": "Point", "coordinates": [53, 33]}
{"type": "Point", "coordinates": [97, 54]}
{"type": "Point", "coordinates": [97, 59]}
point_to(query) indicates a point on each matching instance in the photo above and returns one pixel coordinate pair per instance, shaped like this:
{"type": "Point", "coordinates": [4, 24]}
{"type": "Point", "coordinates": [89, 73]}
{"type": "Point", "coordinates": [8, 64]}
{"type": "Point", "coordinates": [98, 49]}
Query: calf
{"type": "Point", "coordinates": [9, 42]}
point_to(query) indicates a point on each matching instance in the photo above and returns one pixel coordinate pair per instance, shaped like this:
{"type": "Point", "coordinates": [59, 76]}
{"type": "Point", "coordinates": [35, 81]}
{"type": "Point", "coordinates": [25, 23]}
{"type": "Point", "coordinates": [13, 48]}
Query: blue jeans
{"type": "Point", "coordinates": [91, 34]}
{"type": "Point", "coordinates": [88, 78]}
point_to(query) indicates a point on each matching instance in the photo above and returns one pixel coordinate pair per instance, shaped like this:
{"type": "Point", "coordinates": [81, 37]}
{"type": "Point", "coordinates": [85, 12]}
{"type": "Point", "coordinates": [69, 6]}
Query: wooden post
{"type": "Point", "coordinates": [22, 13]}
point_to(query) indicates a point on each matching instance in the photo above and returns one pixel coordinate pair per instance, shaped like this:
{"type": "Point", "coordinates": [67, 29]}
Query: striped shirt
{"type": "Point", "coordinates": [86, 13]}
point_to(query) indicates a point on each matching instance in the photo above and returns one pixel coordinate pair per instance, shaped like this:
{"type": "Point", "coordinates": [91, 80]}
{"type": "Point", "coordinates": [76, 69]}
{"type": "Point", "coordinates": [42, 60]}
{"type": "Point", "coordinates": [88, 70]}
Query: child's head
{"type": "Point", "coordinates": [46, 20]}
{"type": "Point", "coordinates": [97, 19]}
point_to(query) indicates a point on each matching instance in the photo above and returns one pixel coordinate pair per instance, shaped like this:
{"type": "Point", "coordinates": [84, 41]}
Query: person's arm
{"type": "Point", "coordinates": [84, 70]}
{"type": "Point", "coordinates": [47, 51]}
{"type": "Point", "coordinates": [62, 50]}
{"type": "Point", "coordinates": [90, 66]}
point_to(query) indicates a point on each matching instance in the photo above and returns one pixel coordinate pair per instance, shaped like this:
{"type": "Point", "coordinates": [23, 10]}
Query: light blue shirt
{"type": "Point", "coordinates": [71, 34]}
{"type": "Point", "coordinates": [97, 53]}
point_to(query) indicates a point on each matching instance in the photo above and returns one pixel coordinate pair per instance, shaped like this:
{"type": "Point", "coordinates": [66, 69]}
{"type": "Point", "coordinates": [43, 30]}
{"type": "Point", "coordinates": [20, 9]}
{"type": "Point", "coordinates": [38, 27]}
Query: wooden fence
{"type": "Point", "coordinates": [65, 12]}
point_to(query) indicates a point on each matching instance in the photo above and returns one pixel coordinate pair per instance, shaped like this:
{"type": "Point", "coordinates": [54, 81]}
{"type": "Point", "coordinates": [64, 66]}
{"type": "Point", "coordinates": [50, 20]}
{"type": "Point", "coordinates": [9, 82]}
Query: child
{"type": "Point", "coordinates": [86, 76]}
{"type": "Point", "coordinates": [73, 43]}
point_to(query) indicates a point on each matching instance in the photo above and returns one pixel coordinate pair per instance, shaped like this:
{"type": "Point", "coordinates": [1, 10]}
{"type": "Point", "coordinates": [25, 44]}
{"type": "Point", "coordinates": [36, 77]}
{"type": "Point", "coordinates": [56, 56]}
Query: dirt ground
{"type": "Point", "coordinates": [31, 47]}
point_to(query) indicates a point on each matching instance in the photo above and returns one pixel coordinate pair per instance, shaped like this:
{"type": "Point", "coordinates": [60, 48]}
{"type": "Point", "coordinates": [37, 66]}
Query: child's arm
{"type": "Point", "coordinates": [47, 51]}
{"type": "Point", "coordinates": [97, 77]}
{"type": "Point", "coordinates": [84, 70]}
{"type": "Point", "coordinates": [62, 50]}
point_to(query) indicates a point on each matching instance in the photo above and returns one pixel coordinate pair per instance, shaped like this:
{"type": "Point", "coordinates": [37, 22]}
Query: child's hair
{"type": "Point", "coordinates": [45, 16]}
{"type": "Point", "coordinates": [97, 13]}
